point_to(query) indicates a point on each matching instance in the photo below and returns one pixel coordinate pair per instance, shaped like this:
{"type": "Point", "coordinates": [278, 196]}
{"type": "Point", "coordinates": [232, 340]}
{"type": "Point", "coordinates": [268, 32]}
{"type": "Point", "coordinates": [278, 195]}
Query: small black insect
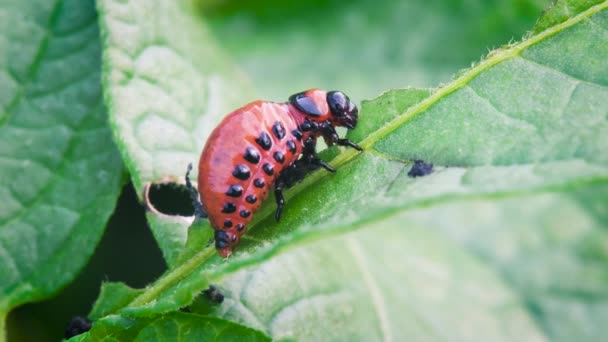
{"type": "Point", "coordinates": [77, 325]}
{"type": "Point", "coordinates": [420, 169]}
{"type": "Point", "coordinates": [214, 294]}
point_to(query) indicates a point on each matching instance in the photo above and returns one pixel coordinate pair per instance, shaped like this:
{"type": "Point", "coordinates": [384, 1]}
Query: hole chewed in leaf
{"type": "Point", "coordinates": [169, 199]}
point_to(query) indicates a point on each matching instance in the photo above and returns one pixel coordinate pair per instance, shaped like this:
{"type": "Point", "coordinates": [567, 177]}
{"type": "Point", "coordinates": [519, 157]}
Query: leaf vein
{"type": "Point", "coordinates": [10, 261]}
{"type": "Point", "coordinates": [34, 67]}
{"type": "Point", "coordinates": [377, 297]}
{"type": "Point", "coordinates": [560, 72]}
{"type": "Point", "coordinates": [500, 113]}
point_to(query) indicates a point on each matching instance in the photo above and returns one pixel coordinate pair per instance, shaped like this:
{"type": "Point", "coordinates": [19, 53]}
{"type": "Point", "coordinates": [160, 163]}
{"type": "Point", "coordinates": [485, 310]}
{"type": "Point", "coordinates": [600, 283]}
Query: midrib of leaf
{"type": "Point", "coordinates": [31, 71]}
{"type": "Point", "coordinates": [174, 276]}
{"type": "Point", "coordinates": [375, 292]}
{"type": "Point", "coordinates": [496, 57]}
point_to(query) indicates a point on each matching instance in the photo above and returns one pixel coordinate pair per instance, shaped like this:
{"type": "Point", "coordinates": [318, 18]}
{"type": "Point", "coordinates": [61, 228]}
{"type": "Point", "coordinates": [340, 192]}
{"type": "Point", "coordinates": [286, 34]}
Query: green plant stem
{"type": "Point", "coordinates": [173, 276]}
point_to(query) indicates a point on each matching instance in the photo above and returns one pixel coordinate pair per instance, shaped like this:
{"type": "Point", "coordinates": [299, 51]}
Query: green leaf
{"type": "Point", "coordinates": [194, 328]}
{"type": "Point", "coordinates": [60, 174]}
{"type": "Point", "coordinates": [506, 236]}
{"type": "Point", "coordinates": [176, 326]}
{"type": "Point", "coordinates": [496, 267]}
{"type": "Point", "coordinates": [166, 86]}
{"type": "Point", "coordinates": [363, 47]}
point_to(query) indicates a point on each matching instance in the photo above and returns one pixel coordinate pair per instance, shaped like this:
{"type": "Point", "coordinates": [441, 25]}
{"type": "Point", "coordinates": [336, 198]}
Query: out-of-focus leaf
{"type": "Point", "coordinates": [60, 173]}
{"type": "Point", "coordinates": [364, 47]}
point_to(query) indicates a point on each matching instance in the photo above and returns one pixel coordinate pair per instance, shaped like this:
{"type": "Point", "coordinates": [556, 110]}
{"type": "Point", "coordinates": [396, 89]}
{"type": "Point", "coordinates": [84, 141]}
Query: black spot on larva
{"type": "Point", "coordinates": [264, 141]}
{"type": "Point", "coordinates": [240, 227]}
{"type": "Point", "coordinates": [235, 190]}
{"type": "Point", "coordinates": [278, 156]}
{"type": "Point", "coordinates": [268, 168]}
{"type": "Point", "coordinates": [241, 172]}
{"type": "Point", "coordinates": [245, 213]}
{"type": "Point", "coordinates": [228, 208]}
{"type": "Point", "coordinates": [259, 183]}
{"type": "Point", "coordinates": [251, 199]}
{"type": "Point", "coordinates": [278, 130]}
{"type": "Point", "coordinates": [221, 239]}
{"type": "Point", "coordinates": [297, 134]}
{"type": "Point", "coordinates": [227, 223]}
{"type": "Point", "coordinates": [291, 145]}
{"type": "Point", "coordinates": [252, 155]}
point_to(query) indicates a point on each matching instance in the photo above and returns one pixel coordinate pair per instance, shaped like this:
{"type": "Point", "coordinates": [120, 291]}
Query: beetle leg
{"type": "Point", "coordinates": [317, 161]}
{"type": "Point", "coordinates": [346, 142]}
{"type": "Point", "coordinates": [278, 195]}
{"type": "Point", "coordinates": [331, 137]}
{"type": "Point", "coordinates": [295, 172]}
{"type": "Point", "coordinates": [196, 203]}
{"type": "Point", "coordinates": [329, 133]}
{"type": "Point", "coordinates": [309, 155]}
{"type": "Point", "coordinates": [310, 146]}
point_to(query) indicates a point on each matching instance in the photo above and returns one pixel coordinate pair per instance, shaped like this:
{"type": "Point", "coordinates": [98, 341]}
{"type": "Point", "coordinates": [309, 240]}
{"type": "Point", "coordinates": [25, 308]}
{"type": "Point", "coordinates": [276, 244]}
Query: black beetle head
{"type": "Point", "coordinates": [345, 113]}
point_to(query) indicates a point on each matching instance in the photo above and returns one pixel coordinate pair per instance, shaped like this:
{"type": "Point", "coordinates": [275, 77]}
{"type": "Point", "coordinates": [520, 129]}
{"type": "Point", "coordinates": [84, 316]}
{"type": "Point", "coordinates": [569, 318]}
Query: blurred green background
{"type": "Point", "coordinates": [284, 47]}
